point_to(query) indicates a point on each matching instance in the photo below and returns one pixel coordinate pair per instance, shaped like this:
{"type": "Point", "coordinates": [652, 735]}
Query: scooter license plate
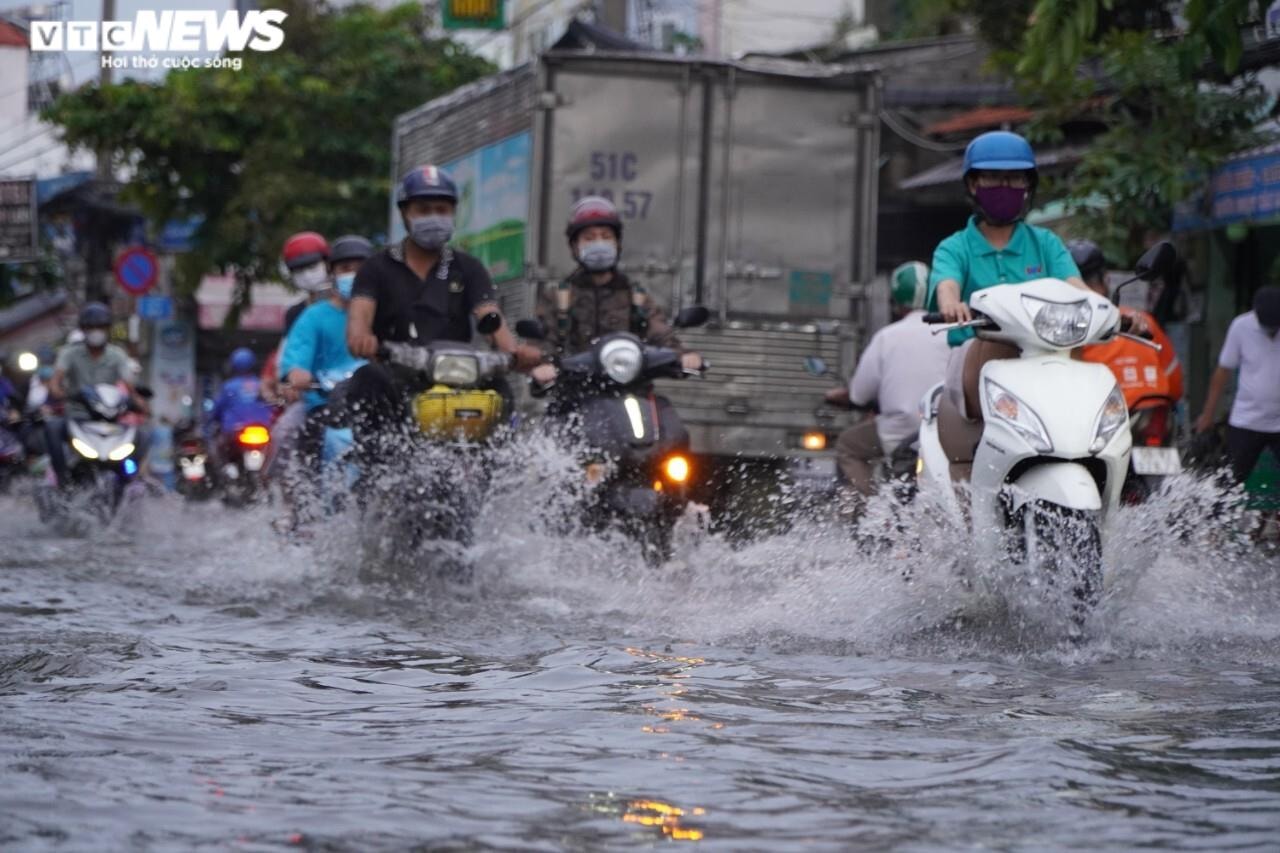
{"type": "Point", "coordinates": [1156, 461]}
{"type": "Point", "coordinates": [193, 471]}
{"type": "Point", "coordinates": [253, 460]}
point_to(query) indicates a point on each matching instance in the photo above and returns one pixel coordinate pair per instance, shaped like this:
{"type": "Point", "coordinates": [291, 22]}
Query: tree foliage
{"type": "Point", "coordinates": [297, 139]}
{"type": "Point", "coordinates": [1165, 89]}
{"type": "Point", "coordinates": [1163, 79]}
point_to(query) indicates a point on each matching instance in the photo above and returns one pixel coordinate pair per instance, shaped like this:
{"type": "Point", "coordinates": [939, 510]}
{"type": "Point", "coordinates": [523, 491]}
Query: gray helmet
{"type": "Point", "coordinates": [350, 247]}
{"type": "Point", "coordinates": [1088, 257]}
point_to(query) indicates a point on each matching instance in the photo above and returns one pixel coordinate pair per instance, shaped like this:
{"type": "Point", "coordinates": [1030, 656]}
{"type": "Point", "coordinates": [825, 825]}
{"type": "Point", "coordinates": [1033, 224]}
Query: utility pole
{"type": "Point", "coordinates": [98, 262]}
{"type": "Point", "coordinates": [104, 80]}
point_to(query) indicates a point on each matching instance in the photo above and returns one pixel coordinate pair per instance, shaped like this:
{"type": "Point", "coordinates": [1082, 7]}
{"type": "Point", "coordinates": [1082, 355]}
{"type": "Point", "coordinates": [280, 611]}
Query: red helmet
{"type": "Point", "coordinates": [589, 211]}
{"type": "Point", "coordinates": [304, 249]}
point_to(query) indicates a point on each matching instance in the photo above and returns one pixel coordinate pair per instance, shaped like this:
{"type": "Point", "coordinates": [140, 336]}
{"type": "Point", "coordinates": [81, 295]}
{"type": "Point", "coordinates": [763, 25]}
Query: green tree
{"type": "Point", "coordinates": [1168, 94]}
{"type": "Point", "coordinates": [1167, 89]}
{"type": "Point", "coordinates": [296, 139]}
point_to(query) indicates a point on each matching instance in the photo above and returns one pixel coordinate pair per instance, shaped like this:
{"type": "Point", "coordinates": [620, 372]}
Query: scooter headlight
{"type": "Point", "coordinates": [455, 370]}
{"type": "Point", "coordinates": [121, 453]}
{"type": "Point", "coordinates": [1058, 323]}
{"type": "Point", "coordinates": [1114, 414]}
{"type": "Point", "coordinates": [621, 359]}
{"type": "Point", "coordinates": [83, 448]}
{"type": "Point", "coordinates": [1008, 408]}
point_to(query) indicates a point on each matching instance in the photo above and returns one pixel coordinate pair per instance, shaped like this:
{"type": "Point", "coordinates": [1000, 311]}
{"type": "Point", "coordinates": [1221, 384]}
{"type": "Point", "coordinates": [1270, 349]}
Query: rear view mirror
{"type": "Point", "coordinates": [532, 330]}
{"type": "Point", "coordinates": [815, 366]}
{"type": "Point", "coordinates": [694, 315]}
{"type": "Point", "coordinates": [489, 323]}
{"type": "Point", "coordinates": [1156, 262]}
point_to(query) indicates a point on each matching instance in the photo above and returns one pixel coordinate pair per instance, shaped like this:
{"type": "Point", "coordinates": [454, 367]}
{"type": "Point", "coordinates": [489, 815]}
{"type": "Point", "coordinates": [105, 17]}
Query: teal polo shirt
{"type": "Point", "coordinates": [967, 257]}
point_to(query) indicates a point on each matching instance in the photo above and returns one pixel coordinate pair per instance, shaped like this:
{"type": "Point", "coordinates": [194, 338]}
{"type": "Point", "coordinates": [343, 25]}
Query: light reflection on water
{"type": "Point", "coordinates": [192, 683]}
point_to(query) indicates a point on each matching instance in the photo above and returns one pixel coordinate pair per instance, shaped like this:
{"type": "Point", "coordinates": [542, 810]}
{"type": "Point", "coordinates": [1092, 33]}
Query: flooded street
{"type": "Point", "coordinates": [189, 682]}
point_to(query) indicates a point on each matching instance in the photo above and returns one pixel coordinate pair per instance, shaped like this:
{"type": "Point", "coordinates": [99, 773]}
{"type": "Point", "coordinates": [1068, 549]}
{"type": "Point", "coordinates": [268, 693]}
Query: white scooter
{"type": "Point", "coordinates": [1047, 464]}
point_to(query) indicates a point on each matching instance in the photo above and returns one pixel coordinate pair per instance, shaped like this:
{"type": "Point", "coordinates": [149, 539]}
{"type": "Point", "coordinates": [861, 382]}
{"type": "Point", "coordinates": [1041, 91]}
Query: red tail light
{"type": "Point", "coordinates": [254, 436]}
{"type": "Point", "coordinates": [1153, 426]}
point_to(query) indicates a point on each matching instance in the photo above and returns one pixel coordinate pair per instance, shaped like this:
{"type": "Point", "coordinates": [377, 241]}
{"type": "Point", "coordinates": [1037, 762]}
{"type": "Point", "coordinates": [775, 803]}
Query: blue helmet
{"type": "Point", "coordinates": [94, 314]}
{"type": "Point", "coordinates": [242, 361]}
{"type": "Point", "coordinates": [999, 150]}
{"type": "Point", "coordinates": [427, 182]}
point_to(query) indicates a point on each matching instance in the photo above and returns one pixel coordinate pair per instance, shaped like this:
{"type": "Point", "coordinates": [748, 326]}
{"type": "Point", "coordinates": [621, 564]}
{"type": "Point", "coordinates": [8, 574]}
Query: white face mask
{"type": "Point", "coordinates": [312, 279]}
{"type": "Point", "coordinates": [96, 338]}
{"type": "Point", "coordinates": [598, 255]}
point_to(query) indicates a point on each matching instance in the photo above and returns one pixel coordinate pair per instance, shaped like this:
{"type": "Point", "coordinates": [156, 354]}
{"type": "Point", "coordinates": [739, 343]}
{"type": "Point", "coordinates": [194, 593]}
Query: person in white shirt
{"type": "Point", "coordinates": [1252, 348]}
{"type": "Point", "coordinates": [900, 363]}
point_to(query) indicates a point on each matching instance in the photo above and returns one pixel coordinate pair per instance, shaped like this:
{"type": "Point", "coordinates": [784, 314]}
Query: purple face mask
{"type": "Point", "coordinates": [1001, 205]}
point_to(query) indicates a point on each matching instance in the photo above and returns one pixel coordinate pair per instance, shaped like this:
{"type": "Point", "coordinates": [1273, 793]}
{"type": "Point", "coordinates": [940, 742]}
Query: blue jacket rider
{"type": "Point", "coordinates": [240, 402]}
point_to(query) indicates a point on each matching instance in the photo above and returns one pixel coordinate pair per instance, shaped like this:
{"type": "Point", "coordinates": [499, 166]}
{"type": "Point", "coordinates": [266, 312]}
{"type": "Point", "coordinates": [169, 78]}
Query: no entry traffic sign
{"type": "Point", "coordinates": [136, 269]}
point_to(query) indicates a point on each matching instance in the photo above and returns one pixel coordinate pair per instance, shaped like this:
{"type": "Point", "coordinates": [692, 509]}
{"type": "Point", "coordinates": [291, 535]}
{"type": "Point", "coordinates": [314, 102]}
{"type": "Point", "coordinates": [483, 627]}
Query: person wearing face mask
{"type": "Point", "coordinates": [304, 262]}
{"type": "Point", "coordinates": [317, 344]}
{"type": "Point", "coordinates": [996, 247]}
{"type": "Point", "coordinates": [1252, 349]}
{"type": "Point", "coordinates": [417, 291]}
{"type": "Point", "coordinates": [92, 361]}
{"type": "Point", "coordinates": [598, 298]}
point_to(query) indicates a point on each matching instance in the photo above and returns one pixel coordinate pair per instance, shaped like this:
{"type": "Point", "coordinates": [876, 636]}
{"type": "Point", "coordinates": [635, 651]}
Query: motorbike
{"type": "Point", "coordinates": [432, 493]}
{"type": "Point", "coordinates": [195, 480]}
{"type": "Point", "coordinates": [1047, 465]}
{"type": "Point", "coordinates": [1154, 457]}
{"type": "Point", "coordinates": [101, 463]}
{"type": "Point", "coordinates": [244, 456]}
{"type": "Point", "coordinates": [897, 468]}
{"type": "Point", "coordinates": [13, 456]}
{"type": "Point", "coordinates": [638, 469]}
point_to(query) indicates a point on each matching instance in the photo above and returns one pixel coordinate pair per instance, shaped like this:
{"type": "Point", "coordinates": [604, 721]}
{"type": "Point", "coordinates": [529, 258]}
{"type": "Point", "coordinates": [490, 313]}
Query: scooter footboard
{"type": "Point", "coordinates": [1065, 484]}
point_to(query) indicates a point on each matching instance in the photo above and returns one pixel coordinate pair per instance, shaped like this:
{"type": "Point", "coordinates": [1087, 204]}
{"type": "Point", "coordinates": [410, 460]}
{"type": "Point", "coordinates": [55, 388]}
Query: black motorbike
{"type": "Point", "coordinates": [426, 494]}
{"type": "Point", "coordinates": [637, 467]}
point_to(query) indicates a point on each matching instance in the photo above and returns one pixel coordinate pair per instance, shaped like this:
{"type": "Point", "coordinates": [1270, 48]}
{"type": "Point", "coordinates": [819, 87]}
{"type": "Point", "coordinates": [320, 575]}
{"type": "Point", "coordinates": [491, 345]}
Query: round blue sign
{"type": "Point", "coordinates": [136, 270]}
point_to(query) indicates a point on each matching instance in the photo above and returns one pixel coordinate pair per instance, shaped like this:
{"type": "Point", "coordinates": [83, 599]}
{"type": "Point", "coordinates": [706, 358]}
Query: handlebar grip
{"type": "Point", "coordinates": [934, 318]}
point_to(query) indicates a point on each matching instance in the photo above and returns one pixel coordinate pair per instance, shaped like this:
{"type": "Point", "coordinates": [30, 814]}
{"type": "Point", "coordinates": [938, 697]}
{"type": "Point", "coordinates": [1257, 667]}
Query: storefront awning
{"type": "Point", "coordinates": [269, 302]}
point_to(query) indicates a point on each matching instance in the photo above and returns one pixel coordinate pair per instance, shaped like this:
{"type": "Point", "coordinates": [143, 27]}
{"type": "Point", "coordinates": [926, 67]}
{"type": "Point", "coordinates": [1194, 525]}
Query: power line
{"type": "Point", "coordinates": [31, 83]}
{"type": "Point", "coordinates": [40, 131]}
{"type": "Point", "coordinates": [897, 126]}
{"type": "Point", "coordinates": [37, 153]}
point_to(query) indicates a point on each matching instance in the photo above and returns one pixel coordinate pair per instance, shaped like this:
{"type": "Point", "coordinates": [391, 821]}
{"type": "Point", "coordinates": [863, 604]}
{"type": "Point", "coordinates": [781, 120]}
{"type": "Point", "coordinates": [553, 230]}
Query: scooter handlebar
{"type": "Point", "coordinates": [934, 317]}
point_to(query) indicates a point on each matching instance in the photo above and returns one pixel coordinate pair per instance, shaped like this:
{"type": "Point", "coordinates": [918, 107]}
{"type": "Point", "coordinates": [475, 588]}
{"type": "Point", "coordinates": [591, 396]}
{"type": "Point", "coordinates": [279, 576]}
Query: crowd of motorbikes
{"type": "Point", "coordinates": [1057, 452]}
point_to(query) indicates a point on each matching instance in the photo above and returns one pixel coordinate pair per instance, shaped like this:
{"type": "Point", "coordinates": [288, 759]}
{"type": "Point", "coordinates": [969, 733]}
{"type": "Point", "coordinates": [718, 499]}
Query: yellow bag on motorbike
{"type": "Point", "coordinates": [453, 413]}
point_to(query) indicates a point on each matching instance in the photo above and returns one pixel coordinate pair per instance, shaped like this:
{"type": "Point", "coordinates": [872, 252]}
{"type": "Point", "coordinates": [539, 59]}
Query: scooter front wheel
{"type": "Point", "coordinates": [1065, 545]}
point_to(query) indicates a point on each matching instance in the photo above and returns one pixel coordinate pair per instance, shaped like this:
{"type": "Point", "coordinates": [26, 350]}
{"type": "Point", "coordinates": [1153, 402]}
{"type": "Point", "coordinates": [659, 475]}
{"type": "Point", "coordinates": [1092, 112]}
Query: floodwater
{"type": "Point", "coordinates": [187, 680]}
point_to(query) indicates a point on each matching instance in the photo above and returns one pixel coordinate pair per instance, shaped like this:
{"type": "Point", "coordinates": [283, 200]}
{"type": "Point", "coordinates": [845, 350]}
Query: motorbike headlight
{"type": "Point", "coordinates": [121, 453]}
{"type": "Point", "coordinates": [621, 359]}
{"type": "Point", "coordinates": [1058, 323]}
{"type": "Point", "coordinates": [1114, 414]}
{"type": "Point", "coordinates": [1017, 414]}
{"type": "Point", "coordinates": [83, 448]}
{"type": "Point", "coordinates": [455, 370]}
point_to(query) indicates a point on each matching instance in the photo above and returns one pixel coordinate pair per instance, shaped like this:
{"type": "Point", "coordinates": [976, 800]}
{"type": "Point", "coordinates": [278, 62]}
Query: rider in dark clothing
{"type": "Point", "coordinates": [417, 291]}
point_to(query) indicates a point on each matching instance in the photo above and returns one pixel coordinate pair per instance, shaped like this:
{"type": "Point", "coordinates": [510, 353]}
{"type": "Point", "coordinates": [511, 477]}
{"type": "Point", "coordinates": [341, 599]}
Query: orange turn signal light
{"type": "Point", "coordinates": [814, 441]}
{"type": "Point", "coordinates": [676, 469]}
{"type": "Point", "coordinates": [254, 436]}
